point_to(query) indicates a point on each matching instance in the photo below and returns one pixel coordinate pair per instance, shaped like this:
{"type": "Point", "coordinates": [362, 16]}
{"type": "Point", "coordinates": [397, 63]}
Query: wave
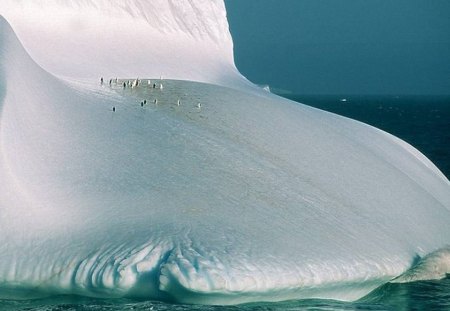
{"type": "Point", "coordinates": [423, 295]}
{"type": "Point", "coordinates": [434, 266]}
{"type": "Point", "coordinates": [209, 194]}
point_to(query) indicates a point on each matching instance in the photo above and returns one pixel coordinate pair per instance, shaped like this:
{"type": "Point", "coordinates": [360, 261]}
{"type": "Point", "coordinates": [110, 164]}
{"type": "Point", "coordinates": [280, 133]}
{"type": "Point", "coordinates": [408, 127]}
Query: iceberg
{"type": "Point", "coordinates": [213, 191]}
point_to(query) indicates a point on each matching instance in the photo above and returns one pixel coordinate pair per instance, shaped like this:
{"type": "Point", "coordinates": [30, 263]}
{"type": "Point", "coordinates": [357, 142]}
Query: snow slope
{"type": "Point", "coordinates": [181, 39]}
{"type": "Point", "coordinates": [248, 197]}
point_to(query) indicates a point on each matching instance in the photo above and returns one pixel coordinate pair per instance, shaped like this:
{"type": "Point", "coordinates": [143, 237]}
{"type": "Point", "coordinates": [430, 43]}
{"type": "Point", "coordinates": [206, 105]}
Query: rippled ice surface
{"type": "Point", "coordinates": [430, 295]}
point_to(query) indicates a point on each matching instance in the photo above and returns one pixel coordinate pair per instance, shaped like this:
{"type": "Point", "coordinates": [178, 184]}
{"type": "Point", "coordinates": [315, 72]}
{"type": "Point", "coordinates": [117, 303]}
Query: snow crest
{"type": "Point", "coordinates": [205, 194]}
{"type": "Point", "coordinates": [434, 266]}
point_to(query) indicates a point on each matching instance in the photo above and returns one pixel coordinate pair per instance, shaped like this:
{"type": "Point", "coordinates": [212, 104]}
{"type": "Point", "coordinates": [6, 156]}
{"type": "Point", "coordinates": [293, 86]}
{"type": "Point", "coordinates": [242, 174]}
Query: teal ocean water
{"type": "Point", "coordinates": [429, 295]}
{"type": "Point", "coordinates": [424, 122]}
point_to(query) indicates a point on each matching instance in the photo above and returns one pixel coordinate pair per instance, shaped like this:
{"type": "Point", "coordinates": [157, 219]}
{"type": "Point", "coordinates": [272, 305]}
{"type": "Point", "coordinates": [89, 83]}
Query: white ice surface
{"type": "Point", "coordinates": [250, 197]}
{"type": "Point", "coordinates": [180, 39]}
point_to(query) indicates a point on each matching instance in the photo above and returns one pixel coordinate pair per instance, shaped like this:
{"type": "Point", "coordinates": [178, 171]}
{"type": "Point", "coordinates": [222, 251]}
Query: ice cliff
{"type": "Point", "coordinates": [184, 39]}
{"type": "Point", "coordinates": [230, 195]}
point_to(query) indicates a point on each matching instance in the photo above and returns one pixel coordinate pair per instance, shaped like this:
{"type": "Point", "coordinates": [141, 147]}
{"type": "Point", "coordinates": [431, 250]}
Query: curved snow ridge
{"type": "Point", "coordinates": [422, 158]}
{"type": "Point", "coordinates": [14, 60]}
{"type": "Point", "coordinates": [183, 39]}
{"type": "Point", "coordinates": [434, 266]}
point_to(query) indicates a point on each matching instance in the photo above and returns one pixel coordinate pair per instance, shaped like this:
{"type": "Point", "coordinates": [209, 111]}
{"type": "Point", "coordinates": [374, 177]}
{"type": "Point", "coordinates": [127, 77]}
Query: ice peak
{"type": "Point", "coordinates": [184, 39]}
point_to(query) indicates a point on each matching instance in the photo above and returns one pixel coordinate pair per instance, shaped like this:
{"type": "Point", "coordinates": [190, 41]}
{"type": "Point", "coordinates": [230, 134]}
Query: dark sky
{"type": "Point", "coordinates": [344, 47]}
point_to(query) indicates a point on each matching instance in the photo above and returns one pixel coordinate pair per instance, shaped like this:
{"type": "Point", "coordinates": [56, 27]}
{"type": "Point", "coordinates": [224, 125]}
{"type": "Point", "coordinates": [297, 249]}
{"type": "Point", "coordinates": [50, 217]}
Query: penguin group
{"type": "Point", "coordinates": [135, 83]}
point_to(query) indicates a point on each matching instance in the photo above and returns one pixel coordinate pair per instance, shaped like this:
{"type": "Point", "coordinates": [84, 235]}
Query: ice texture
{"type": "Point", "coordinates": [433, 266]}
{"type": "Point", "coordinates": [230, 195]}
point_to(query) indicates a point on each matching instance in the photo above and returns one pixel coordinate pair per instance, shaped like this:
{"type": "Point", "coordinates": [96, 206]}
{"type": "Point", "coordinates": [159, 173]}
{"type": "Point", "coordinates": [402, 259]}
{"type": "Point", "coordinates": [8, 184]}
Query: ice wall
{"type": "Point", "coordinates": [177, 39]}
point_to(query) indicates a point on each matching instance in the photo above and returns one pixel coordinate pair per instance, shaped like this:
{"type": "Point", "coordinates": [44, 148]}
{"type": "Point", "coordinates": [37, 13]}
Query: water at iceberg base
{"type": "Point", "coordinates": [422, 295]}
{"type": "Point", "coordinates": [232, 196]}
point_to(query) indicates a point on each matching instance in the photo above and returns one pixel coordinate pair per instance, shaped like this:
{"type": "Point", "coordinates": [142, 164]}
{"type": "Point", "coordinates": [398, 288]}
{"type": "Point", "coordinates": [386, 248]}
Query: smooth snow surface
{"type": "Point", "coordinates": [244, 197]}
{"type": "Point", "coordinates": [181, 39]}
